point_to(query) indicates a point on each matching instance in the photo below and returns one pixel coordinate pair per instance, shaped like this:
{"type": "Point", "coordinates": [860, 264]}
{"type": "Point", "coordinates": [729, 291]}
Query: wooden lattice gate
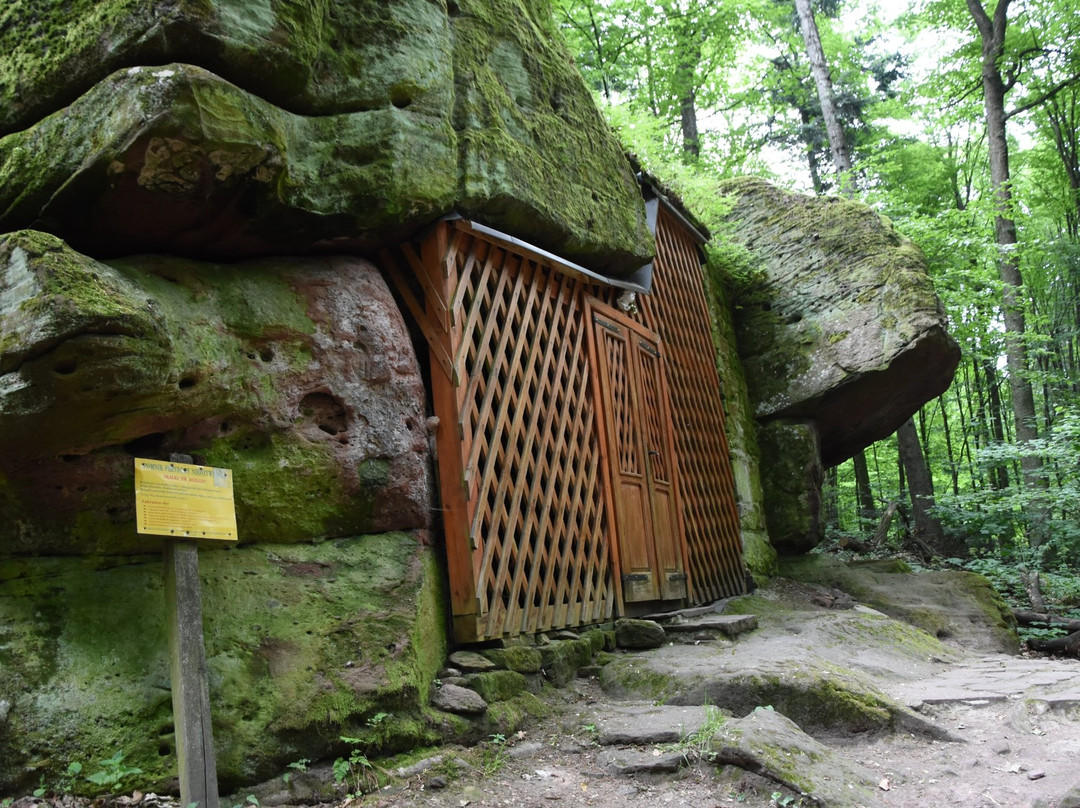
{"type": "Point", "coordinates": [677, 311]}
{"type": "Point", "coordinates": [526, 487]}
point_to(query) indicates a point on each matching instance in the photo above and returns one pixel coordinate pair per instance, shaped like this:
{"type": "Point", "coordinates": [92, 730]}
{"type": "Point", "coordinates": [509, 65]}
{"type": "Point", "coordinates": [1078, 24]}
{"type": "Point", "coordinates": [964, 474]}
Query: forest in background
{"type": "Point", "coordinates": [957, 120]}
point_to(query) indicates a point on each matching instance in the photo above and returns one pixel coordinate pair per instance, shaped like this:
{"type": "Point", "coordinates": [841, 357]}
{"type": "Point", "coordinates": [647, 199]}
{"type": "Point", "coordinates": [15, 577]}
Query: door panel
{"type": "Point", "coordinates": [632, 505]}
{"type": "Point", "coordinates": [640, 451]}
{"type": "Point", "coordinates": [659, 456]}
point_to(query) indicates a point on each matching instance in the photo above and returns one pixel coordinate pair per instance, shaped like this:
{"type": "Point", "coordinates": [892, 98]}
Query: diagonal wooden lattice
{"type": "Point", "coordinates": [519, 457]}
{"type": "Point", "coordinates": [677, 311]}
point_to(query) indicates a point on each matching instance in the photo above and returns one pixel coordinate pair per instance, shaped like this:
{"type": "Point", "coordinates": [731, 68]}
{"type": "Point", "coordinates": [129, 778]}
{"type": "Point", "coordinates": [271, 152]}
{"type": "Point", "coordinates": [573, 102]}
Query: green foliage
{"type": "Point", "coordinates": [785, 801]}
{"type": "Point", "coordinates": [356, 771]}
{"type": "Point", "coordinates": [493, 754]}
{"type": "Point", "coordinates": [297, 765]}
{"type": "Point", "coordinates": [113, 772]}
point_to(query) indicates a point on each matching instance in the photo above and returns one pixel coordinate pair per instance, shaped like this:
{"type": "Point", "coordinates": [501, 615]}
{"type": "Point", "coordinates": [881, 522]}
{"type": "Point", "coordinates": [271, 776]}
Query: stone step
{"type": "Point", "coordinates": [730, 625]}
{"type": "Point", "coordinates": [643, 724]}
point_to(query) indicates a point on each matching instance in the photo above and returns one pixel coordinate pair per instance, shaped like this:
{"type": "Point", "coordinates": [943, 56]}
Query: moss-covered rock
{"type": "Point", "coordinates": [823, 669]}
{"type": "Point", "coordinates": [519, 658]}
{"type": "Point", "coordinates": [174, 159]}
{"type": "Point", "coordinates": [839, 323]}
{"type": "Point", "coordinates": [299, 375]}
{"type": "Point", "coordinates": [304, 643]}
{"type": "Point", "coordinates": [496, 686]}
{"type": "Point", "coordinates": [563, 658]}
{"type": "Point", "coordinates": [759, 555]}
{"type": "Point", "coordinates": [274, 126]}
{"type": "Point", "coordinates": [315, 58]}
{"type": "Point", "coordinates": [959, 607]}
{"type": "Point", "coordinates": [792, 487]}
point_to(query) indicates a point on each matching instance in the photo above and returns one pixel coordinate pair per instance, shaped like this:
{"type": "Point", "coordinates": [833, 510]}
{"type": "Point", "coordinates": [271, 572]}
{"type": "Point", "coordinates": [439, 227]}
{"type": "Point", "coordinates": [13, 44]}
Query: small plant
{"type": "Point", "coordinates": [113, 772]}
{"type": "Point", "coordinates": [40, 790]}
{"type": "Point", "coordinates": [785, 801]}
{"type": "Point", "coordinates": [7, 802]}
{"type": "Point", "coordinates": [495, 754]}
{"type": "Point", "coordinates": [251, 799]}
{"type": "Point", "coordinates": [297, 765]}
{"type": "Point", "coordinates": [377, 719]}
{"type": "Point", "coordinates": [356, 771]}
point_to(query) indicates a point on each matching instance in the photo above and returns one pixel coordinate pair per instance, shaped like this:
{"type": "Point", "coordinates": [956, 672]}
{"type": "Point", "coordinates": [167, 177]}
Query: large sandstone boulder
{"type": "Point", "coordinates": [841, 326]}
{"type": "Point", "coordinates": [298, 374]}
{"type": "Point", "coordinates": [237, 127]}
{"type": "Point", "coordinates": [841, 336]}
{"type": "Point", "coordinates": [304, 642]}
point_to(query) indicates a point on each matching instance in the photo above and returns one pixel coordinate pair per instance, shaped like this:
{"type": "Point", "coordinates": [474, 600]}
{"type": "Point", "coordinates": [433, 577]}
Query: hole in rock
{"type": "Point", "coordinates": [324, 411]}
{"type": "Point", "coordinates": [65, 367]}
{"type": "Point", "coordinates": [146, 446]}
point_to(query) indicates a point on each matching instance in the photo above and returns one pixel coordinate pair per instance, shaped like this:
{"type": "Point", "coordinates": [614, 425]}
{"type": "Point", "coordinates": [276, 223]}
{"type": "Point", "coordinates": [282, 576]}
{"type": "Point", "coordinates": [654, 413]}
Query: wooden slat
{"type": "Point", "coordinates": [678, 311]}
{"type": "Point", "coordinates": [528, 452]}
{"type": "Point", "coordinates": [528, 511]}
{"type": "Point", "coordinates": [437, 339]}
{"type": "Point", "coordinates": [459, 554]}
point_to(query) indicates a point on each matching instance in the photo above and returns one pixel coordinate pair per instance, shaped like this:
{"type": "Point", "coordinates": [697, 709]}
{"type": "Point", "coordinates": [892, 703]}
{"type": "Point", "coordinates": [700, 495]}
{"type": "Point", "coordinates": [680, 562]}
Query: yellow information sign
{"type": "Point", "coordinates": [184, 501]}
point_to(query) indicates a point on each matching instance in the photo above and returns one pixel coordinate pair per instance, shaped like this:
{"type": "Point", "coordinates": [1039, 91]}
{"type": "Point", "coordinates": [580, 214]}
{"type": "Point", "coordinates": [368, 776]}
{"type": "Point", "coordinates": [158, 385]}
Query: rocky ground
{"type": "Point", "coordinates": [827, 702]}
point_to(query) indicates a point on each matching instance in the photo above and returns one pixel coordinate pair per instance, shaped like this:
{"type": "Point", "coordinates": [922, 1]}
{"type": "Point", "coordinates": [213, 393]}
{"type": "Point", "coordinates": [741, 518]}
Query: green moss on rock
{"type": "Point", "coordinates": [520, 658]}
{"type": "Point", "coordinates": [303, 644]}
{"type": "Point", "coordinates": [494, 686]}
{"type": "Point", "coordinates": [839, 323]}
{"type": "Point", "coordinates": [234, 364]}
{"type": "Point", "coordinates": [959, 607]}
{"type": "Point", "coordinates": [283, 127]}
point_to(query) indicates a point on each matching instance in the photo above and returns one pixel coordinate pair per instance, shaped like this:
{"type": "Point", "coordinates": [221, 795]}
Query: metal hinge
{"type": "Point", "coordinates": [605, 324]}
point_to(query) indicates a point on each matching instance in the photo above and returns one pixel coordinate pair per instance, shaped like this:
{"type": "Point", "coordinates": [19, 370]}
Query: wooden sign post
{"type": "Point", "coordinates": [187, 502]}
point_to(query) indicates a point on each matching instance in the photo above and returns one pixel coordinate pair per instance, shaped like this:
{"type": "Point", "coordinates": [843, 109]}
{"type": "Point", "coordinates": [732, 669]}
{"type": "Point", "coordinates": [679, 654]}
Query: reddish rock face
{"type": "Point", "coordinates": [299, 374]}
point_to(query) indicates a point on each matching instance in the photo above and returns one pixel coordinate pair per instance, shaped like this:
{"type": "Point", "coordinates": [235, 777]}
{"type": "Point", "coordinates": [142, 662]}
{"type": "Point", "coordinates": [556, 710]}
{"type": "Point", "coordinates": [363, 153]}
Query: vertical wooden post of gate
{"type": "Point", "coordinates": [190, 684]}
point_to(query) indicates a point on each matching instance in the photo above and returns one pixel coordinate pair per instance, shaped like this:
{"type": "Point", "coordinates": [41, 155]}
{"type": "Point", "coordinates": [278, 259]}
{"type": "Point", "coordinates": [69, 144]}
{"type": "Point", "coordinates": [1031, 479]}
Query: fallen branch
{"type": "Point", "coordinates": [1069, 645]}
{"type": "Point", "coordinates": [1029, 618]}
{"type": "Point", "coordinates": [883, 524]}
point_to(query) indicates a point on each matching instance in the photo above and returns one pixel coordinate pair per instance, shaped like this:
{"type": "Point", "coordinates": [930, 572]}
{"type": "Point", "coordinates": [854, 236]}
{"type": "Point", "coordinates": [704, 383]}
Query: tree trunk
{"type": "Point", "coordinates": [811, 152]}
{"type": "Point", "coordinates": [691, 141]}
{"type": "Point", "coordinates": [830, 509]}
{"type": "Point", "coordinates": [992, 33]}
{"type": "Point", "coordinates": [819, 69]}
{"type": "Point", "coordinates": [921, 487]}
{"type": "Point", "coordinates": [864, 496]}
{"type": "Point", "coordinates": [954, 462]}
{"type": "Point", "coordinates": [999, 472]}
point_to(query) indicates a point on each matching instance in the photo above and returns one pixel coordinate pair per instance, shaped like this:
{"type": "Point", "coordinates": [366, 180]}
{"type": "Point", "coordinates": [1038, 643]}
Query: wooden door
{"type": "Point", "coordinates": [634, 400]}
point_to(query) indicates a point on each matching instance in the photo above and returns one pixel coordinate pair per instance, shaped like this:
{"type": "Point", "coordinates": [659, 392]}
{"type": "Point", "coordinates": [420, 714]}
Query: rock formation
{"type": "Point", "coordinates": [186, 191]}
{"type": "Point", "coordinates": [231, 128]}
{"type": "Point", "coordinates": [841, 336]}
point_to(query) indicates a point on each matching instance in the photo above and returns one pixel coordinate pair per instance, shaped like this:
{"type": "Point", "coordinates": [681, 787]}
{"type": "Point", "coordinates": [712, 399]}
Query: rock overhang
{"type": "Point", "coordinates": [216, 130]}
{"type": "Point", "coordinates": [841, 324]}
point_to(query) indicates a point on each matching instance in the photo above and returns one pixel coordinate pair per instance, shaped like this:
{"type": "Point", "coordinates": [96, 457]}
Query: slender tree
{"type": "Point", "coordinates": [819, 69]}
